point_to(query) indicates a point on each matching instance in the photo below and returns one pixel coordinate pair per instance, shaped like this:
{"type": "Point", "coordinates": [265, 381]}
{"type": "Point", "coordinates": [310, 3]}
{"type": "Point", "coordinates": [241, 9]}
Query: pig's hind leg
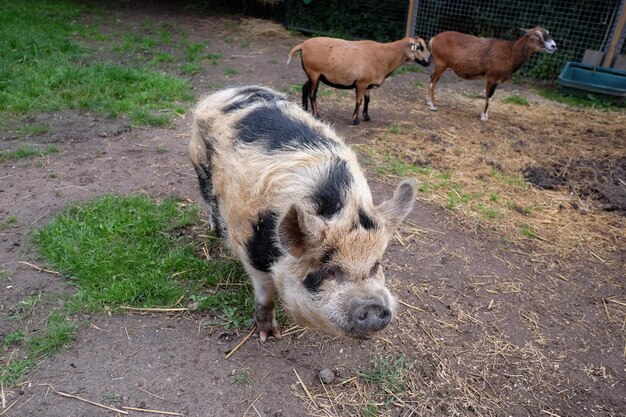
{"type": "Point", "coordinates": [264, 295]}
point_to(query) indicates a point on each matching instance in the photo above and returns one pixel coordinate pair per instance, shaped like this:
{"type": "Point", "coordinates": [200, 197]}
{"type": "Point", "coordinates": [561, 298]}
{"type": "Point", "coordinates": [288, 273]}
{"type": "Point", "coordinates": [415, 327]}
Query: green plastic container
{"type": "Point", "coordinates": [584, 79]}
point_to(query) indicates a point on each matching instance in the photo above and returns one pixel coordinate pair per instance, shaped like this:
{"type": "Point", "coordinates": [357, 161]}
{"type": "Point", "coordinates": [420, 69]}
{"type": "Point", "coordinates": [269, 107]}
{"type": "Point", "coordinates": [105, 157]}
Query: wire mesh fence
{"type": "Point", "coordinates": [365, 19]}
{"type": "Point", "coordinates": [576, 25]}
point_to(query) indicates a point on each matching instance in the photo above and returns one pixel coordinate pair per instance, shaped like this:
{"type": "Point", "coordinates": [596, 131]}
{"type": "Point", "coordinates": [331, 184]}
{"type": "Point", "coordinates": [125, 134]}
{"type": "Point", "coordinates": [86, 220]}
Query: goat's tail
{"type": "Point", "coordinates": [293, 51]}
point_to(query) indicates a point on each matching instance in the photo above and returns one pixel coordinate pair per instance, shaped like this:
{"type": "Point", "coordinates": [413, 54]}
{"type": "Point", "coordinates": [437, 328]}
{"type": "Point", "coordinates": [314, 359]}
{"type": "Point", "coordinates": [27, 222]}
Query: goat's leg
{"type": "Point", "coordinates": [360, 93]}
{"type": "Point", "coordinates": [306, 89]}
{"type": "Point", "coordinates": [366, 103]}
{"type": "Point", "coordinates": [491, 88]}
{"type": "Point", "coordinates": [315, 83]}
{"type": "Point", "coordinates": [434, 77]}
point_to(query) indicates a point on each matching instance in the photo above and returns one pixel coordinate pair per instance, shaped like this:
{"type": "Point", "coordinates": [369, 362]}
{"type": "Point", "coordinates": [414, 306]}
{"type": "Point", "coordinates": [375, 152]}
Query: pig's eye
{"type": "Point", "coordinates": [333, 273]}
{"type": "Point", "coordinates": [375, 269]}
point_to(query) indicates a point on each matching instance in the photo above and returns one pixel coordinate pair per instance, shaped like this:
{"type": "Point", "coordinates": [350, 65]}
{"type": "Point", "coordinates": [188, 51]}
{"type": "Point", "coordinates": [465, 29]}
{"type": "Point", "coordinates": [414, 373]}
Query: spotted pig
{"type": "Point", "coordinates": [291, 202]}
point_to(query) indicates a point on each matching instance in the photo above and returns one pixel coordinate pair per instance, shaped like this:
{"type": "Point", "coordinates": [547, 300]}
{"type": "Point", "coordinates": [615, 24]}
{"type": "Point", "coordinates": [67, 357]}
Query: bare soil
{"type": "Point", "coordinates": [490, 325]}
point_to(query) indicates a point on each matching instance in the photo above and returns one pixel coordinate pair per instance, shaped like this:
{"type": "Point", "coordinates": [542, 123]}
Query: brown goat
{"type": "Point", "coordinates": [354, 64]}
{"type": "Point", "coordinates": [473, 58]}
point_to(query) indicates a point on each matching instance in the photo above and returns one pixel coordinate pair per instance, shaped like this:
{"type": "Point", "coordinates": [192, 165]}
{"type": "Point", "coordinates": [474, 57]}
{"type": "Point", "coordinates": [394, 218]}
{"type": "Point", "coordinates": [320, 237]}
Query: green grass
{"type": "Point", "coordinates": [519, 100]}
{"type": "Point", "coordinates": [407, 68]}
{"type": "Point", "coordinates": [395, 129]}
{"type": "Point", "coordinates": [229, 72]}
{"type": "Point", "coordinates": [127, 250]}
{"type": "Point", "coordinates": [33, 129]}
{"type": "Point", "coordinates": [58, 332]}
{"type": "Point", "coordinates": [389, 374]}
{"type": "Point", "coordinates": [12, 338]}
{"type": "Point", "coordinates": [420, 85]}
{"type": "Point", "coordinates": [44, 67]}
{"type": "Point", "coordinates": [527, 231]}
{"type": "Point", "coordinates": [214, 57]}
{"type": "Point", "coordinates": [512, 179]}
{"type": "Point", "coordinates": [589, 101]}
{"type": "Point", "coordinates": [26, 151]}
{"type": "Point", "coordinates": [241, 377]}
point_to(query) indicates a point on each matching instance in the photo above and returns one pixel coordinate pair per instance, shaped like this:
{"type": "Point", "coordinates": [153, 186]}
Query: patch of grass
{"type": "Point", "coordinates": [109, 398]}
{"type": "Point", "coordinates": [26, 151]}
{"type": "Point", "coordinates": [512, 179]}
{"type": "Point", "coordinates": [519, 100]}
{"type": "Point", "coordinates": [34, 129]}
{"type": "Point", "coordinates": [163, 58]}
{"type": "Point", "coordinates": [488, 211]}
{"type": "Point", "coordinates": [122, 250]}
{"type": "Point", "coordinates": [8, 222]}
{"type": "Point", "coordinates": [161, 150]}
{"type": "Point", "coordinates": [274, 61]}
{"type": "Point", "coordinates": [370, 410]}
{"type": "Point", "coordinates": [190, 68]}
{"type": "Point", "coordinates": [214, 57]}
{"type": "Point", "coordinates": [128, 250]}
{"type": "Point", "coordinates": [457, 198]}
{"type": "Point", "coordinates": [58, 332]}
{"type": "Point", "coordinates": [389, 374]}
{"type": "Point", "coordinates": [41, 69]}
{"type": "Point", "coordinates": [391, 165]}
{"type": "Point", "coordinates": [241, 377]}
{"type": "Point", "coordinates": [589, 101]}
{"type": "Point", "coordinates": [12, 337]}
{"type": "Point", "coordinates": [408, 68]}
{"type": "Point", "coordinates": [244, 45]}
{"type": "Point", "coordinates": [420, 85]}
{"type": "Point", "coordinates": [230, 72]}
{"type": "Point", "coordinates": [395, 129]}
{"type": "Point", "coordinates": [527, 231]}
{"type": "Point", "coordinates": [193, 51]}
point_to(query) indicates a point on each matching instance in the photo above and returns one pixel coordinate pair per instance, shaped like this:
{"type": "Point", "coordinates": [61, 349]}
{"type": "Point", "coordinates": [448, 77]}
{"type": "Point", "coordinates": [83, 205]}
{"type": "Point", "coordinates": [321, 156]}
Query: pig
{"type": "Point", "coordinates": [289, 199]}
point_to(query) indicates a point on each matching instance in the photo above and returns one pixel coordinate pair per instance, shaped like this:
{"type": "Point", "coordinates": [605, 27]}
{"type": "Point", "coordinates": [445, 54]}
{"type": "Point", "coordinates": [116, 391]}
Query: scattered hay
{"type": "Point", "coordinates": [475, 170]}
{"type": "Point", "coordinates": [260, 27]}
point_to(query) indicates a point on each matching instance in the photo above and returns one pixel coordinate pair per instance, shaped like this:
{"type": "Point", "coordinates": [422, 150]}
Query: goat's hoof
{"type": "Point", "coordinates": [356, 122]}
{"type": "Point", "coordinates": [432, 107]}
{"type": "Point", "coordinates": [366, 118]}
{"type": "Point", "coordinates": [484, 117]}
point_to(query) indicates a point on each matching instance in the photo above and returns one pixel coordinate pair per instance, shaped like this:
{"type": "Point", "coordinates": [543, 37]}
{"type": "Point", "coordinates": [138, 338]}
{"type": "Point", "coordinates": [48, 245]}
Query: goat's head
{"type": "Point", "coordinates": [540, 40]}
{"type": "Point", "coordinates": [418, 51]}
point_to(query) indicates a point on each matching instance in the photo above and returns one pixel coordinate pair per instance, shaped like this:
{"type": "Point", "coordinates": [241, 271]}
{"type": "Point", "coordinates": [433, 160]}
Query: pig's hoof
{"type": "Point", "coordinates": [264, 334]}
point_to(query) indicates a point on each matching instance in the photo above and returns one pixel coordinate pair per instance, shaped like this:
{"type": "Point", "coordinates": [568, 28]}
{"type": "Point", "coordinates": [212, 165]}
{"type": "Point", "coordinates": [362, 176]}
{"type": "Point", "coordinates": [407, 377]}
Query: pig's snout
{"type": "Point", "coordinates": [369, 316]}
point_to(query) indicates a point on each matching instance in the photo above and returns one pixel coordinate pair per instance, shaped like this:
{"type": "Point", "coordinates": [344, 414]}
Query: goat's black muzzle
{"type": "Point", "coordinates": [423, 62]}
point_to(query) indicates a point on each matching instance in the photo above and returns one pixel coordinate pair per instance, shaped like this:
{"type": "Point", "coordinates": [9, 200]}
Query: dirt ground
{"type": "Point", "coordinates": [489, 326]}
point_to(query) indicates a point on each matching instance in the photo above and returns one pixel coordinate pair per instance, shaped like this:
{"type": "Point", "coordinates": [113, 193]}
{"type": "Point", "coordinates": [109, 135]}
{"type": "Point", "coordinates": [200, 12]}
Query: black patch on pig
{"type": "Point", "coordinates": [205, 179]}
{"type": "Point", "coordinates": [262, 251]}
{"type": "Point", "coordinates": [328, 256]}
{"type": "Point", "coordinates": [255, 95]}
{"type": "Point", "coordinates": [278, 132]}
{"type": "Point", "coordinates": [365, 220]}
{"type": "Point", "coordinates": [314, 280]}
{"type": "Point", "coordinates": [331, 191]}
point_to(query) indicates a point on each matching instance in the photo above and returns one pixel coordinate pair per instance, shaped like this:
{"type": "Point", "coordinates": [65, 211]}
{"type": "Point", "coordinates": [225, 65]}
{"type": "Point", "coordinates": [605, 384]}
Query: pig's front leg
{"type": "Point", "coordinates": [264, 294]}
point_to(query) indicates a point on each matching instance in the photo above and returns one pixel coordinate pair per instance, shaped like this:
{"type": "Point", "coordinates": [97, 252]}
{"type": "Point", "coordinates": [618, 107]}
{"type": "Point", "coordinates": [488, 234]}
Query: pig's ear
{"type": "Point", "coordinates": [395, 210]}
{"type": "Point", "coordinates": [298, 231]}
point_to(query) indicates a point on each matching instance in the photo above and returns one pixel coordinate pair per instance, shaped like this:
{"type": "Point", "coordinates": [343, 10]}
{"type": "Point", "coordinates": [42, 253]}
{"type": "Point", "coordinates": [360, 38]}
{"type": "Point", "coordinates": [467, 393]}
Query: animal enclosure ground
{"type": "Point", "coordinates": [512, 296]}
